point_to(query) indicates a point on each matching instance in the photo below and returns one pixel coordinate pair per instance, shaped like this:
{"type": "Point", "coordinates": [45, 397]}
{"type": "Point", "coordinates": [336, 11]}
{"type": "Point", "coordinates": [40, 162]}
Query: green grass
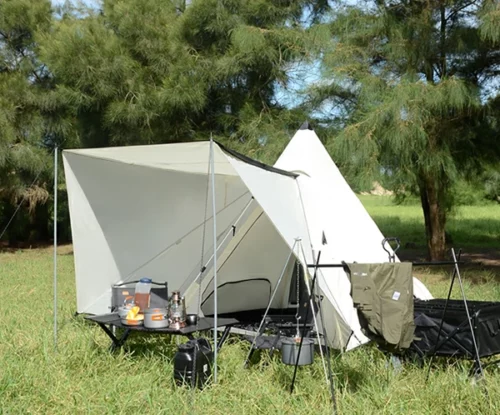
{"type": "Point", "coordinates": [84, 377]}
{"type": "Point", "coordinates": [468, 226]}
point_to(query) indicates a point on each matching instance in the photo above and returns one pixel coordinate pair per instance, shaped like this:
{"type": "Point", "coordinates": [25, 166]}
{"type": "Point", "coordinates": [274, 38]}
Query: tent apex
{"type": "Point", "coordinates": [306, 126]}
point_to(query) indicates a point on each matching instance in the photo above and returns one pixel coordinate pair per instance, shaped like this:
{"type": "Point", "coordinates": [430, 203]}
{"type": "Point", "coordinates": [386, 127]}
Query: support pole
{"type": "Point", "coordinates": [442, 316]}
{"type": "Point", "coordinates": [305, 324]}
{"type": "Point", "coordinates": [311, 304]}
{"type": "Point", "coordinates": [270, 302]}
{"type": "Point", "coordinates": [55, 248]}
{"type": "Point", "coordinates": [474, 342]}
{"type": "Point", "coordinates": [214, 211]}
{"type": "Point", "coordinates": [328, 355]}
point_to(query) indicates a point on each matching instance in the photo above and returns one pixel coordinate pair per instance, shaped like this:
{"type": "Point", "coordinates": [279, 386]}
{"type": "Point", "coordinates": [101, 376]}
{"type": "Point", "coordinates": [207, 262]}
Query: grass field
{"type": "Point", "coordinates": [83, 377]}
{"type": "Point", "coordinates": [468, 226]}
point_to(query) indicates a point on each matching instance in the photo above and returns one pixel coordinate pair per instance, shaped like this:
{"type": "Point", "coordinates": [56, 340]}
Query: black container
{"type": "Point", "coordinates": [184, 362]}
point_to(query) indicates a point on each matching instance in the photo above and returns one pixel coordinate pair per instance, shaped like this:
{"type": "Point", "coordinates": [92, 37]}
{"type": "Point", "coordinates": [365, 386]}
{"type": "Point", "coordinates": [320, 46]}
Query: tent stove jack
{"type": "Point", "coordinates": [309, 305]}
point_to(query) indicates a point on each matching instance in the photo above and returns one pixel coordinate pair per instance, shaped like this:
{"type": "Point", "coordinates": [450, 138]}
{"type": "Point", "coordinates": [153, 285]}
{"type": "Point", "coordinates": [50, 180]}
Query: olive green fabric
{"type": "Point", "coordinates": [383, 295]}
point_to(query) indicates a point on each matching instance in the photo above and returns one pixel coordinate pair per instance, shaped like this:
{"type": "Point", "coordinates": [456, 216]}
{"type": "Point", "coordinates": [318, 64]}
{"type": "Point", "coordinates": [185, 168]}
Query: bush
{"type": "Point", "coordinates": [492, 185]}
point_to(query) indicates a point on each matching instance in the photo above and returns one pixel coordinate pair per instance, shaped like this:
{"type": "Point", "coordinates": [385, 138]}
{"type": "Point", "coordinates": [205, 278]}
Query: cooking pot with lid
{"type": "Point", "coordinates": [290, 351]}
{"type": "Point", "coordinates": [156, 318]}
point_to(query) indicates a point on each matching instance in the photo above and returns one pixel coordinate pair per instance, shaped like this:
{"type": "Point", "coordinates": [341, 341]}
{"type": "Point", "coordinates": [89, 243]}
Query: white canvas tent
{"type": "Point", "coordinates": [141, 211]}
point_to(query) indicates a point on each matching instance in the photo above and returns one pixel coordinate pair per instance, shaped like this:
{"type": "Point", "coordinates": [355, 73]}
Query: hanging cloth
{"type": "Point", "coordinates": [383, 296]}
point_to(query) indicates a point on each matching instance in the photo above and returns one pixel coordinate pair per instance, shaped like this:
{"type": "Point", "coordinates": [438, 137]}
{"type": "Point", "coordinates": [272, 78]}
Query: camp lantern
{"type": "Point", "coordinates": [177, 311]}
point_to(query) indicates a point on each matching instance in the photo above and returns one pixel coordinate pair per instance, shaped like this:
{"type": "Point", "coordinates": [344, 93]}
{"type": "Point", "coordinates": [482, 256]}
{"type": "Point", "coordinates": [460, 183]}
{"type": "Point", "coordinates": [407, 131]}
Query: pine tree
{"type": "Point", "coordinates": [407, 81]}
{"type": "Point", "coordinates": [139, 72]}
{"type": "Point", "coordinates": [23, 128]}
{"type": "Point", "coordinates": [490, 20]}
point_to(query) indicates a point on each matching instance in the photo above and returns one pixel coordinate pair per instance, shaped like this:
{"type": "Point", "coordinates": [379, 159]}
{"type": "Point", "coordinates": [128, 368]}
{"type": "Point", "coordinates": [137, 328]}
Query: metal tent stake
{"type": "Point", "coordinates": [214, 209]}
{"type": "Point", "coordinates": [55, 248]}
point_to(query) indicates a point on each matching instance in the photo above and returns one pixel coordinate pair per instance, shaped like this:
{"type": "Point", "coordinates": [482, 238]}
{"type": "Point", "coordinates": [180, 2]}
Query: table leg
{"type": "Point", "coordinates": [116, 342]}
{"type": "Point", "coordinates": [227, 329]}
{"type": "Point", "coordinates": [123, 339]}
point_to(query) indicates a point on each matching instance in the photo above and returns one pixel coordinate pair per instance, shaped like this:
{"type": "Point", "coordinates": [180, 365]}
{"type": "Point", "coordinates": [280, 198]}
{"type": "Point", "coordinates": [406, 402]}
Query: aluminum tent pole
{"type": "Point", "coordinates": [214, 213]}
{"type": "Point", "coordinates": [55, 248]}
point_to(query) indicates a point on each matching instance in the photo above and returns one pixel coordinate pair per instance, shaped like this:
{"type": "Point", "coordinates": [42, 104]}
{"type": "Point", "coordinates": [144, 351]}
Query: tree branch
{"type": "Point", "coordinates": [456, 11]}
{"type": "Point", "coordinates": [442, 39]}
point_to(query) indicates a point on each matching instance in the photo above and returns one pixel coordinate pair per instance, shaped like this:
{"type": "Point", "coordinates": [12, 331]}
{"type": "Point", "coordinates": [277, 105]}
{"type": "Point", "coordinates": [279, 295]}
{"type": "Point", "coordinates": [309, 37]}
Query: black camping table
{"type": "Point", "coordinates": [107, 321]}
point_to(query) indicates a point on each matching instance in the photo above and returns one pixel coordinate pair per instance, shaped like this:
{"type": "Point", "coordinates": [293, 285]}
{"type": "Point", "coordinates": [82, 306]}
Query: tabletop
{"type": "Point", "coordinates": [204, 323]}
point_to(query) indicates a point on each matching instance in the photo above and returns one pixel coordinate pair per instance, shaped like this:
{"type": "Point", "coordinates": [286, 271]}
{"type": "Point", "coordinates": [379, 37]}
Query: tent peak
{"type": "Point", "coordinates": [306, 126]}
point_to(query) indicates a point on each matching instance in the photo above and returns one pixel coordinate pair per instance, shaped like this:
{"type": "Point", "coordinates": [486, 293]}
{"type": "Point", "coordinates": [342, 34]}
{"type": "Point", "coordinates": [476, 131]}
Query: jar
{"type": "Point", "coordinates": [143, 293]}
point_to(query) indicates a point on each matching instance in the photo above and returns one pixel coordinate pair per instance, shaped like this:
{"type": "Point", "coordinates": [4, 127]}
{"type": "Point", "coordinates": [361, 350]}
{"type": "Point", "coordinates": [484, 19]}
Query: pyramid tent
{"type": "Point", "coordinates": [338, 224]}
{"type": "Point", "coordinates": [143, 211]}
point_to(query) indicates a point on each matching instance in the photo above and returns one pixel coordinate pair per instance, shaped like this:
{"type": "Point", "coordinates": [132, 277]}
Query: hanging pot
{"type": "Point", "coordinates": [156, 318]}
{"type": "Point", "coordinates": [290, 349]}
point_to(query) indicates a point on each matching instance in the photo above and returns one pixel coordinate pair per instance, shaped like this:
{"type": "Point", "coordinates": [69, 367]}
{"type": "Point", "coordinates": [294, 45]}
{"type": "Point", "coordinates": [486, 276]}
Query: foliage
{"type": "Point", "coordinates": [167, 73]}
{"type": "Point", "coordinates": [492, 184]}
{"type": "Point", "coordinates": [490, 20]}
{"type": "Point", "coordinates": [139, 72]}
{"type": "Point", "coordinates": [406, 80]}
{"type": "Point", "coordinates": [24, 129]}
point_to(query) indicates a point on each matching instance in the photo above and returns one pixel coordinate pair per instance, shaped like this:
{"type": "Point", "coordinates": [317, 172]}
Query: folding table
{"type": "Point", "coordinates": [108, 321]}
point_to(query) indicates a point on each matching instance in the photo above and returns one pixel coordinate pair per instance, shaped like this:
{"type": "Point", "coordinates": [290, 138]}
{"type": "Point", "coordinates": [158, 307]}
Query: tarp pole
{"type": "Point", "coordinates": [55, 248]}
{"type": "Point", "coordinates": [214, 211]}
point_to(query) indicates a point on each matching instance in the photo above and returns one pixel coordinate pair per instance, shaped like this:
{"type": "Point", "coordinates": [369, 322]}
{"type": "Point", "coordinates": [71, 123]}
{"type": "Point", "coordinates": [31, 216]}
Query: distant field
{"type": "Point", "coordinates": [468, 226]}
{"type": "Point", "coordinates": [84, 378]}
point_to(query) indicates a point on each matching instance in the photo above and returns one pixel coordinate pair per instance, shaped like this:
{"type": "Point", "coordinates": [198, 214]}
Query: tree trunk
{"type": "Point", "coordinates": [434, 208]}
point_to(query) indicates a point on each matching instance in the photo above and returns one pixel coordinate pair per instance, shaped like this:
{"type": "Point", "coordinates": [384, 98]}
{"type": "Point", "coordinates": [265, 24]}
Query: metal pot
{"type": "Point", "coordinates": [191, 319]}
{"type": "Point", "coordinates": [290, 348]}
{"type": "Point", "coordinates": [156, 318]}
{"type": "Point", "coordinates": [134, 322]}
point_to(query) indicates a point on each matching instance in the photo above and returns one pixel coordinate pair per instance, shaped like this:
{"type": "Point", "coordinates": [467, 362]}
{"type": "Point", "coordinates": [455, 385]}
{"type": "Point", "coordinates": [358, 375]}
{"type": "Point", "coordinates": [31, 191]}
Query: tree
{"type": "Point", "coordinates": [138, 72]}
{"type": "Point", "coordinates": [23, 128]}
{"type": "Point", "coordinates": [407, 81]}
{"type": "Point", "coordinates": [490, 20]}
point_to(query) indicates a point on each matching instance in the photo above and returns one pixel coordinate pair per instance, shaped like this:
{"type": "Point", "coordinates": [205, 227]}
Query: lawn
{"type": "Point", "coordinates": [468, 226]}
{"type": "Point", "coordinates": [83, 377]}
